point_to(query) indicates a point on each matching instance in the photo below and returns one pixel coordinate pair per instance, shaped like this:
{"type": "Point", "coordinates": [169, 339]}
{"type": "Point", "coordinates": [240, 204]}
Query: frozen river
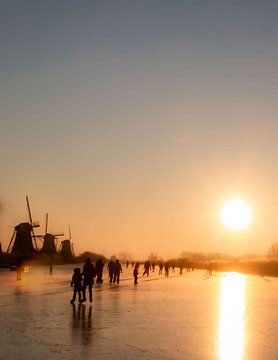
{"type": "Point", "coordinates": [190, 316]}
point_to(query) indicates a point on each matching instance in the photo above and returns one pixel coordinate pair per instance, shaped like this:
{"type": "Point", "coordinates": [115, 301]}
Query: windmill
{"type": "Point", "coordinates": [49, 246]}
{"type": "Point", "coordinates": [23, 241]}
{"type": "Point", "coordinates": [66, 248]}
{"type": "Point", "coordinates": [49, 240]}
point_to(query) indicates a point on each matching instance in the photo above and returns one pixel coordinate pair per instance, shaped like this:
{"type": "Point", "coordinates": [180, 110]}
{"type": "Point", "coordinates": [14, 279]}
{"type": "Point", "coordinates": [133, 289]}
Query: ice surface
{"type": "Point", "coordinates": [189, 316]}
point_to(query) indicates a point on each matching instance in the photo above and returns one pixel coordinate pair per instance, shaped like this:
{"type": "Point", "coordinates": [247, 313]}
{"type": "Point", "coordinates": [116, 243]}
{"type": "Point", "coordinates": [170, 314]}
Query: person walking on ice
{"type": "Point", "coordinates": [89, 272]}
{"type": "Point", "coordinates": [110, 268]}
{"type": "Point", "coordinates": [76, 283]}
{"type": "Point", "coordinates": [117, 271]}
{"type": "Point", "coordinates": [136, 273]}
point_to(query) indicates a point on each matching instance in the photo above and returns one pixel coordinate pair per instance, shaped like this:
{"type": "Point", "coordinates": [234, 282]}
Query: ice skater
{"type": "Point", "coordinates": [76, 283]}
{"type": "Point", "coordinates": [99, 270]}
{"type": "Point", "coordinates": [147, 267]}
{"type": "Point", "coordinates": [117, 271]}
{"type": "Point", "coordinates": [181, 269]}
{"type": "Point", "coordinates": [136, 273]}
{"type": "Point", "coordinates": [18, 267]}
{"type": "Point", "coordinates": [89, 272]}
{"type": "Point", "coordinates": [110, 268]}
{"type": "Point", "coordinates": [166, 266]}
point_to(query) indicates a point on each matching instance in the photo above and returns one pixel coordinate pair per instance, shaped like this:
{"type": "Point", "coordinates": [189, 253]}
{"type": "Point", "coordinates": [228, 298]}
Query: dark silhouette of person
{"type": "Point", "coordinates": [181, 268]}
{"type": "Point", "coordinates": [117, 271]}
{"type": "Point", "coordinates": [160, 268]}
{"type": "Point", "coordinates": [173, 266]}
{"type": "Point", "coordinates": [99, 270]}
{"type": "Point", "coordinates": [18, 267]}
{"type": "Point", "coordinates": [153, 266]}
{"type": "Point", "coordinates": [127, 263]}
{"type": "Point", "coordinates": [147, 266]}
{"type": "Point", "coordinates": [89, 272]}
{"type": "Point", "coordinates": [136, 273]}
{"type": "Point", "coordinates": [132, 264]}
{"type": "Point", "coordinates": [209, 269]}
{"type": "Point", "coordinates": [110, 268]}
{"type": "Point", "coordinates": [76, 283]}
{"type": "Point", "coordinates": [166, 266]}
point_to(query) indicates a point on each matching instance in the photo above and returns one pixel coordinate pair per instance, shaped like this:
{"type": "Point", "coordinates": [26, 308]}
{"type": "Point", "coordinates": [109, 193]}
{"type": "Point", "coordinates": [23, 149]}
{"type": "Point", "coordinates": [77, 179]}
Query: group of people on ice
{"type": "Point", "coordinates": [81, 281]}
{"type": "Point", "coordinates": [85, 279]}
{"type": "Point", "coordinates": [114, 270]}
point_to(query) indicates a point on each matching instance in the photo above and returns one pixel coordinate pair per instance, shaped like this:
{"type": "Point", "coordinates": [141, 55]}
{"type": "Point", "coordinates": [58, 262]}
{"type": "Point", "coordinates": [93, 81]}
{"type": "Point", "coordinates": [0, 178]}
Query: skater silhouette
{"type": "Point", "coordinates": [76, 283]}
{"type": "Point", "coordinates": [136, 273]}
{"type": "Point", "coordinates": [117, 271]}
{"type": "Point", "coordinates": [147, 267]}
{"type": "Point", "coordinates": [89, 272]}
{"type": "Point", "coordinates": [99, 270]}
{"type": "Point", "coordinates": [110, 267]}
{"type": "Point", "coordinates": [166, 266]}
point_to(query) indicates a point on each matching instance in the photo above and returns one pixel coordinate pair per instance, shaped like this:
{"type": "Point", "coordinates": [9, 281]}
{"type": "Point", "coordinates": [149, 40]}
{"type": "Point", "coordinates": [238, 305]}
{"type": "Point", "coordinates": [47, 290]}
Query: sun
{"type": "Point", "coordinates": [236, 214]}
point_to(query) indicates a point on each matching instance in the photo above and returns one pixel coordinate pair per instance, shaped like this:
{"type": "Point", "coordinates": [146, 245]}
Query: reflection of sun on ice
{"type": "Point", "coordinates": [236, 214]}
{"type": "Point", "coordinates": [231, 322]}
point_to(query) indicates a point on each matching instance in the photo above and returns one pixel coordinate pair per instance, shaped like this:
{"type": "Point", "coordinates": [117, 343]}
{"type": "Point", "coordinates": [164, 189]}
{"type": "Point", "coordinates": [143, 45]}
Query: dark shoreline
{"type": "Point", "coordinates": [263, 267]}
{"type": "Point", "coordinates": [255, 267]}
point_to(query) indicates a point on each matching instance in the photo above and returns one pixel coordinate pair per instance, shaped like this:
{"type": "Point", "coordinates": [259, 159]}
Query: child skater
{"type": "Point", "coordinates": [76, 283]}
{"type": "Point", "coordinates": [136, 273]}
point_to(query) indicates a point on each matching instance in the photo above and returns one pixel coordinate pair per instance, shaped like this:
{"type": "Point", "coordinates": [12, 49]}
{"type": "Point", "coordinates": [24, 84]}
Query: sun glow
{"type": "Point", "coordinates": [231, 322]}
{"type": "Point", "coordinates": [236, 214]}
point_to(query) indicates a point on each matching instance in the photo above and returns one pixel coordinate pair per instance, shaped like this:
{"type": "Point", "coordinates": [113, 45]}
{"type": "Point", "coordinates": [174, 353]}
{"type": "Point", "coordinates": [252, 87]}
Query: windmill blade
{"type": "Point", "coordinates": [31, 221]}
{"type": "Point", "coordinates": [35, 241]}
{"type": "Point", "coordinates": [60, 247]}
{"type": "Point", "coordinates": [40, 237]}
{"type": "Point", "coordinates": [11, 241]}
{"type": "Point", "coordinates": [69, 233]}
{"type": "Point", "coordinates": [29, 210]}
{"type": "Point", "coordinates": [72, 250]}
{"type": "Point", "coordinates": [60, 234]}
{"type": "Point", "coordinates": [46, 223]}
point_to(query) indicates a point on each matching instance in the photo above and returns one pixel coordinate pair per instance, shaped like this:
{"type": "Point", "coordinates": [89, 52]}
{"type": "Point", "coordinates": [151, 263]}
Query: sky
{"type": "Point", "coordinates": [133, 121]}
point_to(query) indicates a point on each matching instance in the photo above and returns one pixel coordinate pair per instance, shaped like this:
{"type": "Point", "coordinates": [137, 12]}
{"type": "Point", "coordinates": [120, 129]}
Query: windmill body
{"type": "Point", "coordinates": [23, 244]}
{"type": "Point", "coordinates": [49, 245]}
{"type": "Point", "coordinates": [66, 250]}
{"type": "Point", "coordinates": [23, 241]}
{"type": "Point", "coordinates": [49, 241]}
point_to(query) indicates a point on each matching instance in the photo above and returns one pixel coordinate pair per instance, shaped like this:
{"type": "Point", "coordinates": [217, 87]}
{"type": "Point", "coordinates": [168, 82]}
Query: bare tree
{"type": "Point", "coordinates": [273, 251]}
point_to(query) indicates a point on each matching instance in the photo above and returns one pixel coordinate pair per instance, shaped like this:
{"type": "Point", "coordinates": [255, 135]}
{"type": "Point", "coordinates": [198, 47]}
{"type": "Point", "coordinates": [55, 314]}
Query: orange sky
{"type": "Point", "coordinates": [134, 122]}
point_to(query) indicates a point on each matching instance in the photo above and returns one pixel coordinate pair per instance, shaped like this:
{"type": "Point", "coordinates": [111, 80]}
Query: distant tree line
{"type": "Point", "coordinates": [273, 251]}
{"type": "Point", "coordinates": [88, 254]}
